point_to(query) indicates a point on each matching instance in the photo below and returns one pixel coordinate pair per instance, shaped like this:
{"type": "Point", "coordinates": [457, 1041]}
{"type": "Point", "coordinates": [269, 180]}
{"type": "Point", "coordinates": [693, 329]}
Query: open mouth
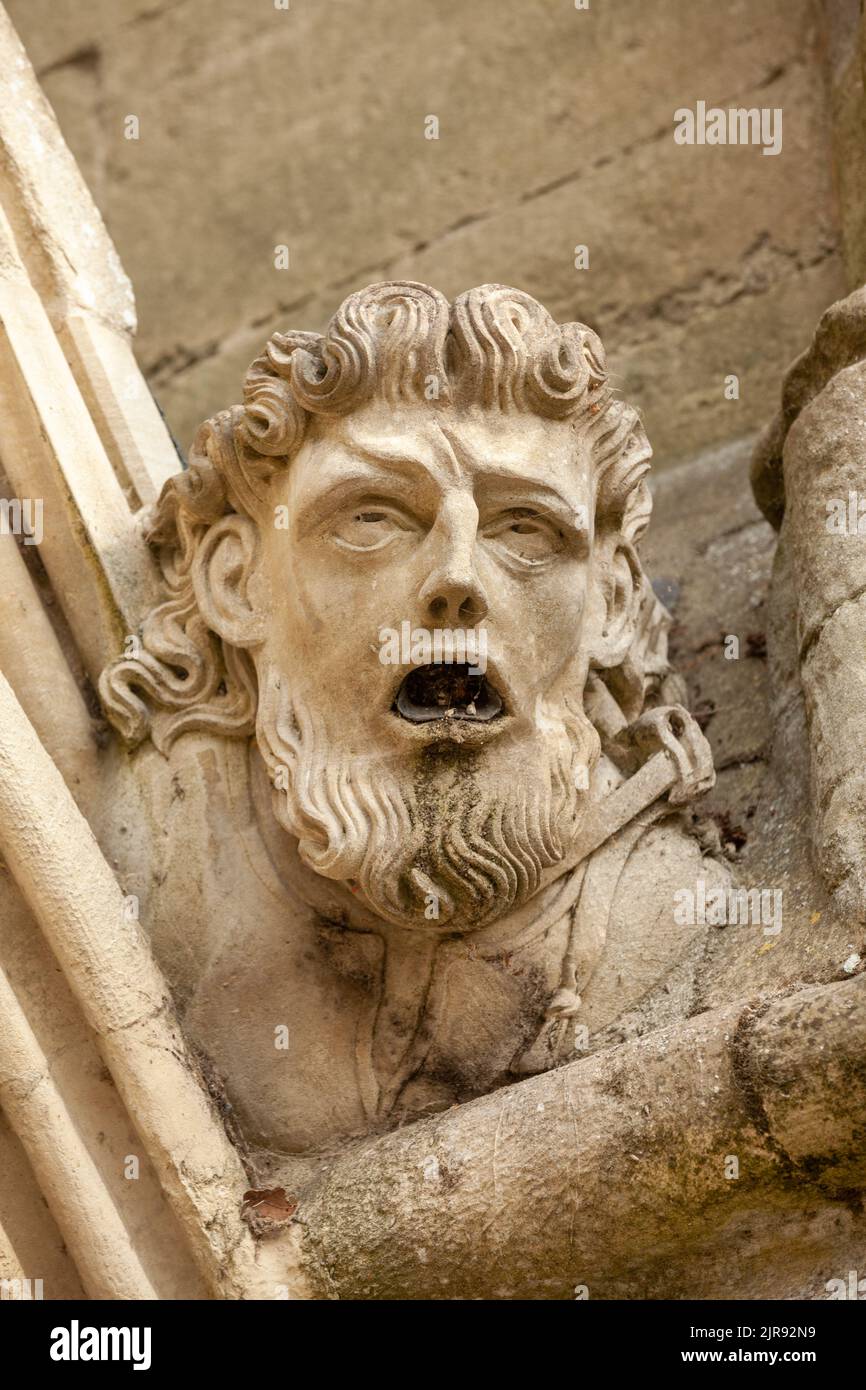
{"type": "Point", "coordinates": [447, 690]}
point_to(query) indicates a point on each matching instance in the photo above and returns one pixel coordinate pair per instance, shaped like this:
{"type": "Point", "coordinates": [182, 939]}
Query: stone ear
{"type": "Point", "coordinates": [224, 575]}
{"type": "Point", "coordinates": [618, 592]}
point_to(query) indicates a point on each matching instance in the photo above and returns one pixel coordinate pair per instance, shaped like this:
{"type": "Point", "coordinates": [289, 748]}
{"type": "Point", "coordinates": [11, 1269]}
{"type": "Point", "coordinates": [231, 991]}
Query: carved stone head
{"type": "Point", "coordinates": [405, 563]}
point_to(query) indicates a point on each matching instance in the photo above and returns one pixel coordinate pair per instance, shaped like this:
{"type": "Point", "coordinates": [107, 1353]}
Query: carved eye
{"type": "Point", "coordinates": [368, 528]}
{"type": "Point", "coordinates": [525, 535]}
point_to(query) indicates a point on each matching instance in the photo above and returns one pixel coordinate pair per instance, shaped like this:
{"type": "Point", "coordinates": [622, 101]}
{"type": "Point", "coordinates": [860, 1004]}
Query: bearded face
{"type": "Point", "coordinates": [405, 594]}
{"type": "Point", "coordinates": [434, 593]}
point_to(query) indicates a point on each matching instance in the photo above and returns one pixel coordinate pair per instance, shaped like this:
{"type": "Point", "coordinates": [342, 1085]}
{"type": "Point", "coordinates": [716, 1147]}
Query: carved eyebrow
{"type": "Point", "coordinates": [522, 492]}
{"type": "Point", "coordinates": [397, 469]}
{"type": "Point", "coordinates": [360, 481]}
{"type": "Point", "coordinates": [505, 472]}
{"type": "Point", "coordinates": [381, 456]}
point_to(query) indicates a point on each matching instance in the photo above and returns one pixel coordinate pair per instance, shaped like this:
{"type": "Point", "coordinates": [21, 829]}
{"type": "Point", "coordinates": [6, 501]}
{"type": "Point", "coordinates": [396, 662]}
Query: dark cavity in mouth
{"type": "Point", "coordinates": [446, 690]}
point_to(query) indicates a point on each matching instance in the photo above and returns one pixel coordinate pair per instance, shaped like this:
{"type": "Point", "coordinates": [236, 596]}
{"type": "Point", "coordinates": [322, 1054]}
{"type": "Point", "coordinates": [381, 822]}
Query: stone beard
{"type": "Point", "coordinates": [428, 840]}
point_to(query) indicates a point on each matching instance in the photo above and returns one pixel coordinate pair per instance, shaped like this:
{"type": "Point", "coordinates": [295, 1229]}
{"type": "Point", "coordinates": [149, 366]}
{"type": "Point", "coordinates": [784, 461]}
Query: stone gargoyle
{"type": "Point", "coordinates": [424, 877]}
{"type": "Point", "coordinates": [357, 932]}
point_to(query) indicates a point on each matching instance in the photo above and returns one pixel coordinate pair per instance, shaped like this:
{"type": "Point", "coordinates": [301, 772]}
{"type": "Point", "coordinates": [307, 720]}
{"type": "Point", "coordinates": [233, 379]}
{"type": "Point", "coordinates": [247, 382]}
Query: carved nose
{"type": "Point", "coordinates": [452, 593]}
{"type": "Point", "coordinates": [454, 597]}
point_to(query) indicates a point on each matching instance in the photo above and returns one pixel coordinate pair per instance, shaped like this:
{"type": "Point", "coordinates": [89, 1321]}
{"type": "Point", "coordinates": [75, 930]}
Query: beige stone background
{"type": "Point", "coordinates": [305, 127]}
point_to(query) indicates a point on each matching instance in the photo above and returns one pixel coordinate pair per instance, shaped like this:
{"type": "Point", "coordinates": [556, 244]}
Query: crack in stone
{"type": "Point", "coordinates": [817, 631]}
{"type": "Point", "coordinates": [748, 1082]}
{"type": "Point", "coordinates": [139, 1019]}
{"type": "Point", "coordinates": [161, 371]}
{"type": "Point", "coordinates": [88, 57]}
{"type": "Point", "coordinates": [716, 290]}
{"type": "Point", "coordinates": [831, 789]}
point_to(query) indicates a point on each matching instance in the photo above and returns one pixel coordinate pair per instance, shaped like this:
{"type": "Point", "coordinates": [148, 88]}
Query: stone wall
{"type": "Point", "coordinates": [305, 127]}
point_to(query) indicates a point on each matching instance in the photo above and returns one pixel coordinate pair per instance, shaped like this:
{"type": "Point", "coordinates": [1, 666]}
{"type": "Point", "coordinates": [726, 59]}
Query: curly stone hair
{"type": "Point", "coordinates": [494, 347]}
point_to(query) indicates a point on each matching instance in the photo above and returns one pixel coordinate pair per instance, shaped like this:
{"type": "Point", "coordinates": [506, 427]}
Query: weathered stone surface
{"type": "Point", "coordinates": [637, 1169]}
{"type": "Point", "coordinates": [316, 141]}
{"type": "Point", "coordinates": [846, 62]}
{"type": "Point", "coordinates": [808, 475]}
